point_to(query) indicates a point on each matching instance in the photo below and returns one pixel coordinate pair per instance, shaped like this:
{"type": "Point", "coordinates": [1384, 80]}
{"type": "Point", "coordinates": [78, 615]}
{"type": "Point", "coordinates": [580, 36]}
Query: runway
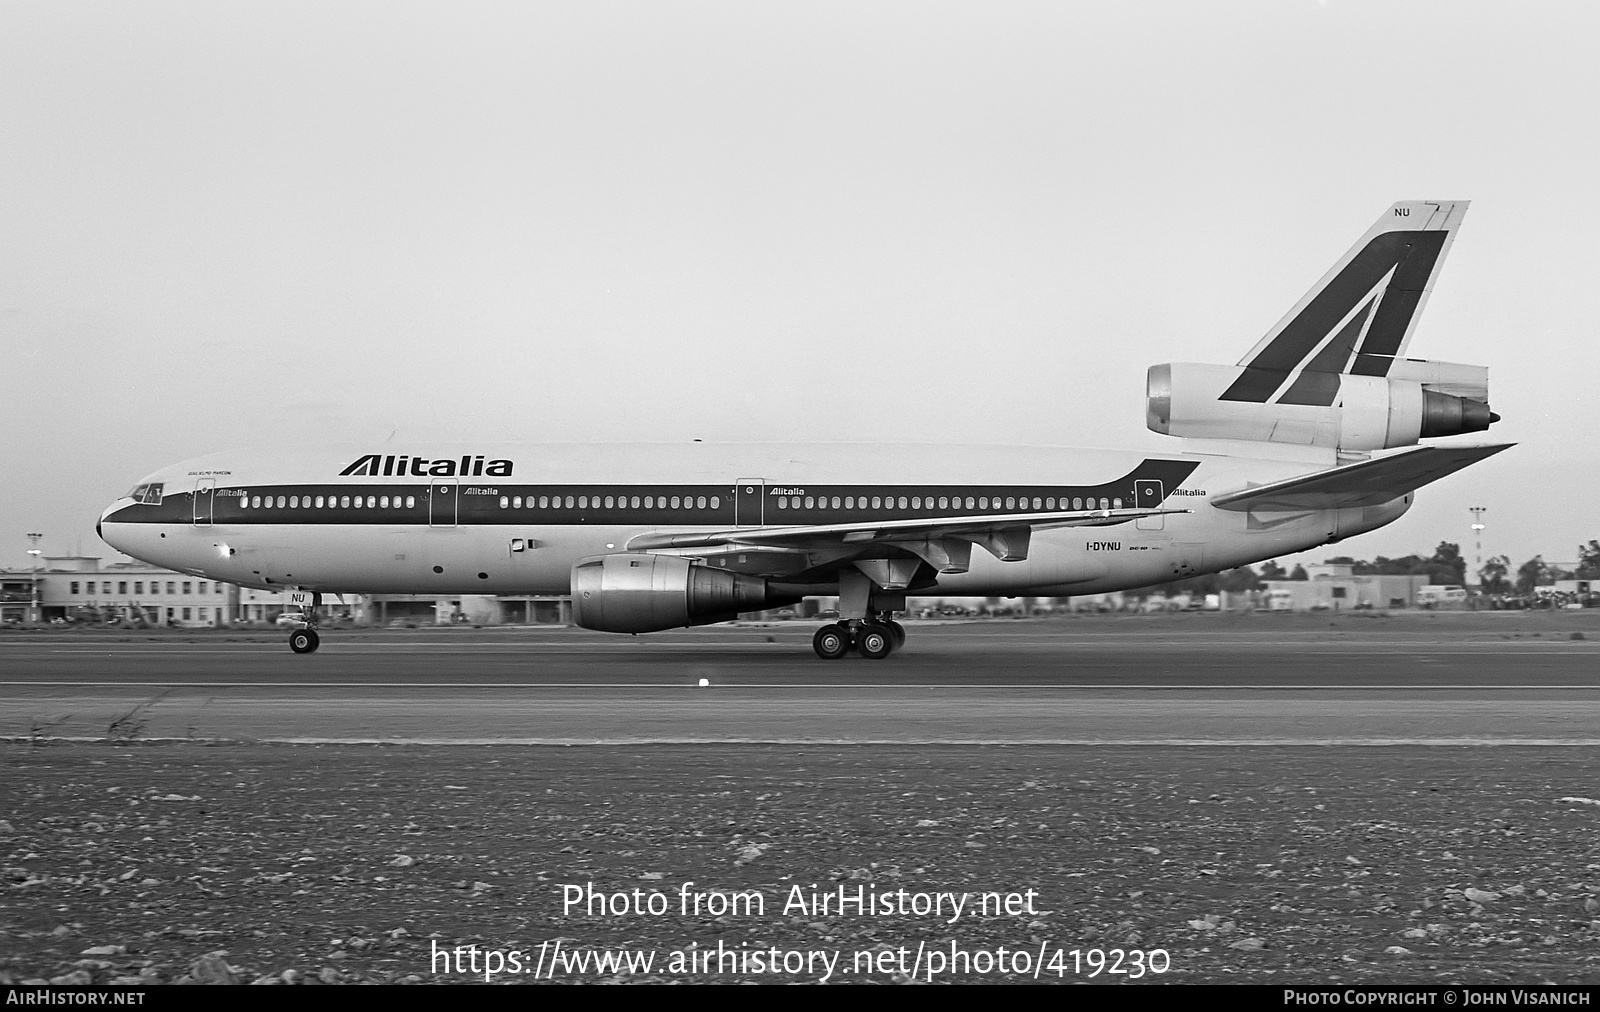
{"type": "Point", "coordinates": [1447, 679]}
{"type": "Point", "coordinates": [1148, 776]}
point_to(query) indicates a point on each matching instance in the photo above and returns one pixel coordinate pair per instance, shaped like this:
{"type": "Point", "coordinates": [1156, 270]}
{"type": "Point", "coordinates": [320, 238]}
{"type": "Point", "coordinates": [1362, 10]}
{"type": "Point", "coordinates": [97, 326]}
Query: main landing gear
{"type": "Point", "coordinates": [874, 638]}
{"type": "Point", "coordinates": [305, 639]}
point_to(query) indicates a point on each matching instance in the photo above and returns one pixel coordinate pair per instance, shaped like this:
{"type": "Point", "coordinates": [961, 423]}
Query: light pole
{"type": "Point", "coordinates": [1473, 578]}
{"type": "Point", "coordinates": [33, 555]}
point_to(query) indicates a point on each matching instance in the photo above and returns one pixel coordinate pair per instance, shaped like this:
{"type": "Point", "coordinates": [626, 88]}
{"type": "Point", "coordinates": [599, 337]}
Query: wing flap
{"type": "Point", "coordinates": [978, 529]}
{"type": "Point", "coordinates": [1366, 483]}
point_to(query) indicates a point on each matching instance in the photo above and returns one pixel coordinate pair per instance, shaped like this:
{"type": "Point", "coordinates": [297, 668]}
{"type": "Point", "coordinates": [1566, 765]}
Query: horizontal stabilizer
{"type": "Point", "coordinates": [1367, 483]}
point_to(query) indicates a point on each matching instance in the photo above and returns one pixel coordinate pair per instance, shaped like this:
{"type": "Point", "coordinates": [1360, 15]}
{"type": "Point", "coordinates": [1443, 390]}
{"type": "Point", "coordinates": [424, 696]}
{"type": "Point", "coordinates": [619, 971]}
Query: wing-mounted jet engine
{"type": "Point", "coordinates": [1332, 372]}
{"type": "Point", "coordinates": [634, 592]}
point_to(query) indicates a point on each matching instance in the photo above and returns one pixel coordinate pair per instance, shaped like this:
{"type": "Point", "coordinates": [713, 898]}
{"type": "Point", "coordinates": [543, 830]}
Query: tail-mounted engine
{"type": "Point", "coordinates": [637, 592]}
{"type": "Point", "coordinates": [1416, 400]}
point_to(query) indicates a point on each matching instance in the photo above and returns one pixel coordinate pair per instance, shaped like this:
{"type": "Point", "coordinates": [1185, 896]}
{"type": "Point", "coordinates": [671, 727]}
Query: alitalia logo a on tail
{"type": "Point", "coordinates": [467, 466]}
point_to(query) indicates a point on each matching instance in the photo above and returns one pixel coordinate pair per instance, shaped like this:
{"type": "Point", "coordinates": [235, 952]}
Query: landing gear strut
{"type": "Point", "coordinates": [874, 637]}
{"type": "Point", "coordinates": [306, 640]}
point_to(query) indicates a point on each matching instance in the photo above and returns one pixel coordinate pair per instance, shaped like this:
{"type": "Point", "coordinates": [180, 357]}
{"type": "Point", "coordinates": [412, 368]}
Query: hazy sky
{"type": "Point", "coordinates": [229, 224]}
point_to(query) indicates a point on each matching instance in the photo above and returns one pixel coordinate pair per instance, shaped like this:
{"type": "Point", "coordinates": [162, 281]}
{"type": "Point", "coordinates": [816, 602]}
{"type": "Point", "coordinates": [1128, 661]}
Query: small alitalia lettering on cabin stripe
{"type": "Point", "coordinates": [468, 466]}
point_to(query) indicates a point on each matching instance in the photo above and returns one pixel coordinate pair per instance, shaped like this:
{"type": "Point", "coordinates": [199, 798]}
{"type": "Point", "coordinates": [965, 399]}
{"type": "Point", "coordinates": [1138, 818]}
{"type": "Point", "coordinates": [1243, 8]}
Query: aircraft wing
{"type": "Point", "coordinates": [1366, 483]}
{"type": "Point", "coordinates": [1005, 535]}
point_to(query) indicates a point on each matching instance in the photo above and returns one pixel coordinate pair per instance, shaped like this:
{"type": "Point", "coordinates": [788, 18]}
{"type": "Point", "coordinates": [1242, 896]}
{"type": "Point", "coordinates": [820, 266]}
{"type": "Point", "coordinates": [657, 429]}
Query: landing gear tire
{"type": "Point", "coordinates": [304, 641]}
{"type": "Point", "coordinates": [899, 632]}
{"type": "Point", "coordinates": [831, 642]}
{"type": "Point", "coordinates": [874, 641]}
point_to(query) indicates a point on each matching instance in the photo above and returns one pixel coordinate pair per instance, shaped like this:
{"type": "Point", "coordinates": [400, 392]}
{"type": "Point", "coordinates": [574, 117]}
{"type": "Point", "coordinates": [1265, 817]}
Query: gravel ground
{"type": "Point", "coordinates": [280, 864]}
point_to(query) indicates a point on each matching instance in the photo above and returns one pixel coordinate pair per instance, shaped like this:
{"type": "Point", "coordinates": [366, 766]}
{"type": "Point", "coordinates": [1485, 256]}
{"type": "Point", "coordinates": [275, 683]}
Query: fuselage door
{"type": "Point", "coordinates": [1147, 495]}
{"type": "Point", "coordinates": [749, 502]}
{"type": "Point", "coordinates": [442, 499]}
{"type": "Point", "coordinates": [205, 491]}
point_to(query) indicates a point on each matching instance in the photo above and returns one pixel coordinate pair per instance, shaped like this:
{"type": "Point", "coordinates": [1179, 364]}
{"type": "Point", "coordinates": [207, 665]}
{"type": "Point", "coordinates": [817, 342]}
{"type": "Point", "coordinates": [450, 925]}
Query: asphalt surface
{"type": "Point", "coordinates": [1449, 678]}
{"type": "Point", "coordinates": [1318, 799]}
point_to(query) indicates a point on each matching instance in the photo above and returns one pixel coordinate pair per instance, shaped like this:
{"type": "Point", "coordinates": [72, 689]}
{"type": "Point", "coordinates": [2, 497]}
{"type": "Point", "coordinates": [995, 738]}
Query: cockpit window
{"type": "Point", "coordinates": [151, 493]}
{"type": "Point", "coordinates": [137, 495]}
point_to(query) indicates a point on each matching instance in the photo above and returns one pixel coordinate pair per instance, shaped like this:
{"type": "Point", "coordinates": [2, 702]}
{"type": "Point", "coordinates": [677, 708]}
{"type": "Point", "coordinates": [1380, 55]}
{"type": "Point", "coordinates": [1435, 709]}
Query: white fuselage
{"type": "Point", "coordinates": [493, 530]}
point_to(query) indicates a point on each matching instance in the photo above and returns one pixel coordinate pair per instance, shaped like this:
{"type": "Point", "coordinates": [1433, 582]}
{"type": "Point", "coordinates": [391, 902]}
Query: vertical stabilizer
{"type": "Point", "coordinates": [1358, 319]}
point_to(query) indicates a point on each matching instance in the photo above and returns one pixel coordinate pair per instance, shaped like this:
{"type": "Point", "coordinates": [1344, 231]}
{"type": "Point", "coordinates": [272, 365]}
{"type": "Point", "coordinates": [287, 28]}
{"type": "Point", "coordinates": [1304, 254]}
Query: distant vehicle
{"type": "Point", "coordinates": [292, 618]}
{"type": "Point", "coordinates": [1440, 594]}
{"type": "Point", "coordinates": [1280, 600]}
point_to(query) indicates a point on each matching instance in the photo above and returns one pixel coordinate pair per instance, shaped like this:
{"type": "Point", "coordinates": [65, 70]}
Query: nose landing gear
{"type": "Point", "coordinates": [305, 640]}
{"type": "Point", "coordinates": [874, 638]}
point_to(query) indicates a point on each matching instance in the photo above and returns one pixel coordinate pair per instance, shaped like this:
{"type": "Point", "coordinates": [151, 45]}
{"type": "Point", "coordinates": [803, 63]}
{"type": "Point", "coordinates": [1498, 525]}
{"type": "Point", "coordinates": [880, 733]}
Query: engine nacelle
{"type": "Point", "coordinates": [638, 592]}
{"type": "Point", "coordinates": [1417, 400]}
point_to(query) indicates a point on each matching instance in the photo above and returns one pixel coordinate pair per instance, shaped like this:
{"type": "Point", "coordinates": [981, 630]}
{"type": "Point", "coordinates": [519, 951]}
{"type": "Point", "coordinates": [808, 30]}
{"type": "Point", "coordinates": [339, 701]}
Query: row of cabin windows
{"type": "Point", "coordinates": [916, 502]}
{"type": "Point", "coordinates": [295, 502]}
{"type": "Point", "coordinates": [694, 502]}
{"type": "Point", "coordinates": [613, 502]}
{"type": "Point", "coordinates": [189, 587]}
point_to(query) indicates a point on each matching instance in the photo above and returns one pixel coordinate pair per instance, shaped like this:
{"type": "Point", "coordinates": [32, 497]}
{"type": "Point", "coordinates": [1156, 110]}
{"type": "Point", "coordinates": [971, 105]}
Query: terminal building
{"type": "Point", "coordinates": [85, 588]}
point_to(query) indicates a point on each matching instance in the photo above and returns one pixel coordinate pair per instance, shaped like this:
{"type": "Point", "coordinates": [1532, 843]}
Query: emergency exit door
{"type": "Point", "coordinates": [1147, 495]}
{"type": "Point", "coordinates": [749, 503]}
{"type": "Point", "coordinates": [205, 492]}
{"type": "Point", "coordinates": [442, 499]}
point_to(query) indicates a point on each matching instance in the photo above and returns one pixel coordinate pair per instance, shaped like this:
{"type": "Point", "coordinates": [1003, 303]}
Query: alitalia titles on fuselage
{"type": "Point", "coordinates": [468, 466]}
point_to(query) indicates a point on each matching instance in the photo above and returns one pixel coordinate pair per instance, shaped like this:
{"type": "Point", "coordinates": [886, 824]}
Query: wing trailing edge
{"type": "Point", "coordinates": [1366, 483]}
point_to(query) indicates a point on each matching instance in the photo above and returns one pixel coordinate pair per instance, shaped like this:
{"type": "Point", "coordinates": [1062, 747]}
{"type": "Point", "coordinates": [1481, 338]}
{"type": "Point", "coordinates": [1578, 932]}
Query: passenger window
{"type": "Point", "coordinates": [1050, 503]}
{"type": "Point", "coordinates": [1116, 504]}
{"type": "Point", "coordinates": [411, 501]}
{"type": "Point", "coordinates": [1035, 502]}
{"type": "Point", "coordinates": [835, 502]}
{"type": "Point", "coordinates": [505, 501]}
{"type": "Point", "coordinates": [944, 502]}
{"type": "Point", "coordinates": [635, 502]}
{"type": "Point", "coordinates": [700, 503]}
{"type": "Point", "coordinates": [516, 502]}
{"type": "Point", "coordinates": [783, 502]}
{"type": "Point", "coordinates": [583, 502]}
{"type": "Point", "coordinates": [1105, 504]}
{"type": "Point", "coordinates": [716, 502]}
{"type": "Point", "coordinates": [649, 502]}
{"type": "Point", "coordinates": [849, 502]}
{"type": "Point", "coordinates": [811, 502]}
{"type": "Point", "coordinates": [255, 501]}
{"type": "Point", "coordinates": [675, 501]}
{"type": "Point", "coordinates": [1077, 503]}
{"type": "Point", "coordinates": [877, 502]}
{"type": "Point", "coordinates": [544, 502]}
{"type": "Point", "coordinates": [1011, 503]}
{"type": "Point", "coordinates": [611, 501]}
{"type": "Point", "coordinates": [904, 502]}
{"type": "Point", "coordinates": [983, 502]}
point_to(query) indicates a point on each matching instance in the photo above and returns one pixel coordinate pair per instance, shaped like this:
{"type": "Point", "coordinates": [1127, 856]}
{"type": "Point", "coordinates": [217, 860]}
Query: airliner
{"type": "Point", "coordinates": [1313, 437]}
